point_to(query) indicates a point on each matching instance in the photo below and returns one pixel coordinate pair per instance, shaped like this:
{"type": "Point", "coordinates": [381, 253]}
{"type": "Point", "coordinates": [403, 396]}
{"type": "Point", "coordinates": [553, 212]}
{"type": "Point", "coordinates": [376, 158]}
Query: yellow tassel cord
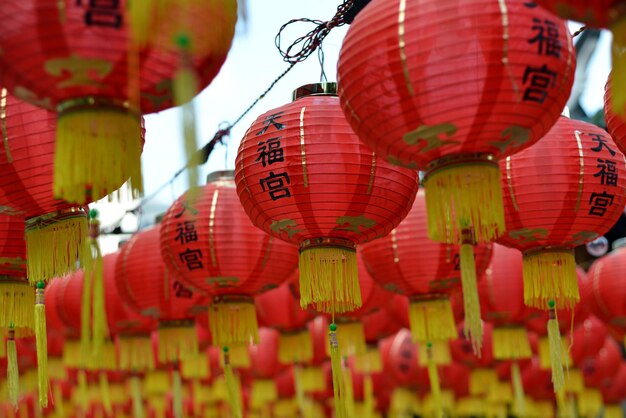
{"type": "Point", "coordinates": [471, 406]}
{"type": "Point", "coordinates": [157, 405]}
{"type": "Point", "coordinates": [71, 354]}
{"type": "Point", "coordinates": [369, 362]}
{"type": "Point", "coordinates": [613, 411]}
{"type": "Point", "coordinates": [232, 387]}
{"type": "Point", "coordinates": [286, 408]}
{"type": "Point", "coordinates": [3, 348]}
{"type": "Point", "coordinates": [98, 148]}
{"type": "Point", "coordinates": [432, 320]}
{"type": "Point", "coordinates": [299, 389]}
{"type": "Point", "coordinates": [311, 379]}
{"type": "Point", "coordinates": [439, 353]}
{"type": "Point", "coordinates": [94, 273]}
{"type": "Point", "coordinates": [519, 406]}
{"type": "Point", "coordinates": [511, 343]}
{"type": "Point", "coordinates": [196, 367]}
{"type": "Point", "coordinates": [137, 397]}
{"type": "Point", "coordinates": [13, 374]}
{"type": "Point", "coordinates": [351, 339]}
{"type": "Point", "coordinates": [481, 381]}
{"type": "Point", "coordinates": [590, 403]}
{"type": "Point", "coordinates": [618, 59]}
{"type": "Point", "coordinates": [433, 378]}
{"type": "Point", "coordinates": [501, 392]}
{"type": "Point", "coordinates": [186, 86]}
{"type": "Point", "coordinates": [156, 383]}
{"type": "Point", "coordinates": [295, 347]}
{"type": "Point", "coordinates": [107, 359]}
{"type": "Point", "coordinates": [177, 342]}
{"type": "Point", "coordinates": [85, 318]}
{"type": "Point", "coordinates": [177, 394]}
{"type": "Point", "coordinates": [119, 395]}
{"type": "Point", "coordinates": [263, 392]}
{"type": "Point", "coordinates": [135, 353]}
{"type": "Point", "coordinates": [238, 356]}
{"type": "Point", "coordinates": [17, 298]}
{"type": "Point", "coordinates": [349, 398]}
{"type": "Point", "coordinates": [368, 396]}
{"type": "Point", "coordinates": [105, 393]}
{"type": "Point", "coordinates": [574, 381]}
{"type": "Point", "coordinates": [233, 322]}
{"type": "Point", "coordinates": [59, 404]}
{"type": "Point", "coordinates": [473, 323]}
{"type": "Point", "coordinates": [550, 275]}
{"type": "Point", "coordinates": [41, 341]}
{"type": "Point", "coordinates": [556, 350]}
{"type": "Point", "coordinates": [339, 389]}
{"type": "Point", "coordinates": [54, 243]}
{"type": "Point", "coordinates": [544, 409]}
{"type": "Point", "coordinates": [82, 391]}
{"type": "Point", "coordinates": [544, 352]}
{"type": "Point", "coordinates": [329, 279]}
{"type": "Point", "coordinates": [462, 196]}
{"type": "Point", "coordinates": [404, 402]}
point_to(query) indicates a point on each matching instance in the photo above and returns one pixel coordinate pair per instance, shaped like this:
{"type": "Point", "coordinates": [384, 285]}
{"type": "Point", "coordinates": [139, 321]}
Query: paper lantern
{"type": "Point", "coordinates": [560, 193]}
{"type": "Point", "coordinates": [616, 391]}
{"type": "Point", "coordinates": [303, 176]}
{"type": "Point", "coordinates": [146, 286]}
{"type": "Point", "coordinates": [78, 60]}
{"type": "Point", "coordinates": [208, 241]}
{"type": "Point", "coordinates": [400, 361]}
{"type": "Point", "coordinates": [602, 368]}
{"type": "Point", "coordinates": [453, 102]}
{"type": "Point", "coordinates": [589, 337]}
{"type": "Point", "coordinates": [409, 263]}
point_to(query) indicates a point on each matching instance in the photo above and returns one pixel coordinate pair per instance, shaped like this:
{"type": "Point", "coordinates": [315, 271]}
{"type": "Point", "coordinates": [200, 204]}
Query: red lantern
{"type": "Point", "coordinates": [77, 60]}
{"type": "Point", "coordinates": [303, 176]}
{"type": "Point", "coordinates": [537, 381]}
{"type": "Point", "coordinates": [462, 352]}
{"type": "Point", "coordinates": [600, 370]}
{"type": "Point", "coordinates": [616, 391]}
{"type": "Point", "coordinates": [408, 262]}
{"type": "Point", "coordinates": [452, 102]}
{"type": "Point", "coordinates": [380, 324]}
{"type": "Point", "coordinates": [588, 338]}
{"type": "Point", "coordinates": [586, 201]}
{"type": "Point", "coordinates": [208, 241]}
{"type": "Point", "coordinates": [145, 285]}
{"type": "Point", "coordinates": [456, 376]}
{"type": "Point", "coordinates": [399, 355]}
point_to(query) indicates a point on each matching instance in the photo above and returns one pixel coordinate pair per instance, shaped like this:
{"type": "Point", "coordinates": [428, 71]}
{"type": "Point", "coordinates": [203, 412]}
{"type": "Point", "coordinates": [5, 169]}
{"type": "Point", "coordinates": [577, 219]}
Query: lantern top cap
{"type": "Point", "coordinates": [316, 89]}
{"type": "Point", "coordinates": [220, 175]}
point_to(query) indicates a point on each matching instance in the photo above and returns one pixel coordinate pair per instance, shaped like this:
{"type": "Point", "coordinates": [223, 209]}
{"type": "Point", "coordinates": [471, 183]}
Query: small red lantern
{"type": "Point", "coordinates": [453, 102]}
{"type": "Point", "coordinates": [208, 241]}
{"type": "Point", "coordinates": [399, 355]}
{"type": "Point", "coordinates": [615, 392]}
{"type": "Point", "coordinates": [146, 286]}
{"type": "Point", "coordinates": [588, 338]}
{"type": "Point", "coordinates": [601, 369]}
{"type": "Point", "coordinates": [76, 58]}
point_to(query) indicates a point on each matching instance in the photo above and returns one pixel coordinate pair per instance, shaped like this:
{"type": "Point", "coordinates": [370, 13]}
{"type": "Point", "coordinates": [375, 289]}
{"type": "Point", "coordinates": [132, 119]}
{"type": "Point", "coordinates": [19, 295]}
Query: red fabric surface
{"type": "Point", "coordinates": [336, 187]}
{"type": "Point", "coordinates": [600, 370]}
{"type": "Point", "coordinates": [452, 80]}
{"type": "Point", "coordinates": [588, 338]}
{"type": "Point", "coordinates": [400, 361]}
{"type": "Point", "coordinates": [12, 247]}
{"type": "Point", "coordinates": [598, 13]}
{"type": "Point", "coordinates": [606, 290]}
{"type": "Point", "coordinates": [279, 309]}
{"type": "Point", "coordinates": [462, 351]}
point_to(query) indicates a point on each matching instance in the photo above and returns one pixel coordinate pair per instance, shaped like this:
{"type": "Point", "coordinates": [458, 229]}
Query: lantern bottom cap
{"type": "Point", "coordinates": [177, 343]}
{"type": "Point", "coordinates": [550, 275]}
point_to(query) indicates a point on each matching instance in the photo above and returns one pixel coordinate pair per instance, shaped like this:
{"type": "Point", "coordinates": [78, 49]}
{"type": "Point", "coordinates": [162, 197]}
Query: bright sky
{"type": "Point", "coordinates": [252, 64]}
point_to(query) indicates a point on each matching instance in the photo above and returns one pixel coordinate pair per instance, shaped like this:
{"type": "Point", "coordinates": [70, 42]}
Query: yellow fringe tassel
{"type": "Point", "coordinates": [177, 394]}
{"type": "Point", "coordinates": [156, 383]}
{"type": "Point", "coordinates": [556, 350]}
{"type": "Point", "coordinates": [439, 353]}
{"type": "Point", "coordinates": [295, 347]}
{"type": "Point", "coordinates": [469, 406]}
{"type": "Point", "coordinates": [311, 379]}
{"type": "Point", "coordinates": [59, 405]}
{"type": "Point", "coordinates": [481, 381]}
{"type": "Point", "coordinates": [71, 354]}
{"type": "Point", "coordinates": [232, 387]}
{"type": "Point", "coordinates": [238, 356]}
{"type": "Point", "coordinates": [263, 392]}
{"type": "Point", "coordinates": [54, 244]}
{"type": "Point", "coordinates": [98, 149]}
{"type": "Point", "coordinates": [519, 406]}
{"type": "Point", "coordinates": [404, 402]}
{"type": "Point", "coordinates": [135, 353]}
{"type": "Point", "coordinates": [16, 301]}
{"type": "Point", "coordinates": [544, 352]}
{"type": "Point", "coordinates": [196, 367]}
{"type": "Point", "coordinates": [233, 322]}
{"type": "Point", "coordinates": [56, 369]}
{"type": "Point", "coordinates": [544, 409]}
{"type": "Point", "coordinates": [107, 360]}
{"type": "Point", "coordinates": [177, 342]}
{"type": "Point", "coordinates": [83, 391]}
{"type": "Point", "coordinates": [186, 80]}
{"type": "Point", "coordinates": [613, 411]}
{"type": "Point", "coordinates": [41, 342]}
{"type": "Point", "coordinates": [349, 398]}
{"type": "Point", "coordinates": [158, 406]}
{"type": "Point", "coordinates": [94, 270]}
{"type": "Point", "coordinates": [3, 349]}
{"type": "Point", "coordinates": [501, 392]}
{"type": "Point", "coordinates": [590, 403]}
{"type": "Point", "coordinates": [473, 327]}
{"type": "Point", "coordinates": [369, 362]}
{"type": "Point", "coordinates": [339, 389]}
{"type": "Point", "coordinates": [351, 339]}
{"type": "Point", "coordinates": [368, 396]}
{"type": "Point", "coordinates": [550, 275]}
{"type": "Point", "coordinates": [299, 389]}
{"type": "Point", "coordinates": [618, 60]}
{"type": "Point", "coordinates": [13, 374]}
{"type": "Point", "coordinates": [105, 393]}
{"type": "Point", "coordinates": [574, 381]}
{"type": "Point", "coordinates": [432, 320]}
{"type": "Point", "coordinates": [329, 279]}
{"type": "Point", "coordinates": [137, 397]}
{"type": "Point", "coordinates": [462, 196]}
{"type": "Point", "coordinates": [511, 343]}
{"type": "Point", "coordinates": [433, 378]}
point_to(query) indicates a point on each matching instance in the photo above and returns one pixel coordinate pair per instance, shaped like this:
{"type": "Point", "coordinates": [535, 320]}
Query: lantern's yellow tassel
{"type": "Point", "coordinates": [550, 275]}
{"type": "Point", "coordinates": [157, 404]}
{"type": "Point", "coordinates": [156, 383]}
{"type": "Point", "coordinates": [618, 75]}
{"type": "Point", "coordinates": [351, 339]}
{"type": "Point", "coordinates": [16, 306]}
{"type": "Point", "coordinates": [105, 393]}
{"type": "Point", "coordinates": [511, 343]}
{"type": "Point", "coordinates": [439, 353]}
{"type": "Point", "coordinates": [238, 356]}
{"type": "Point", "coordinates": [142, 16]}
{"type": "Point", "coordinates": [94, 270]}
{"type": "Point", "coordinates": [295, 347]}
{"type": "Point", "coordinates": [299, 389]}
{"type": "Point", "coordinates": [481, 381]}
{"type": "Point", "coordinates": [56, 369]}
{"type": "Point", "coordinates": [135, 353]}
{"type": "Point", "coordinates": [233, 322]}
{"type": "Point", "coordinates": [3, 348]}
{"type": "Point", "coordinates": [432, 320]}
{"type": "Point", "coordinates": [404, 402]}
{"type": "Point", "coordinates": [368, 396]}
{"type": "Point", "coordinates": [518, 390]}
{"type": "Point", "coordinates": [433, 377]}
{"type": "Point", "coordinates": [544, 352]}
{"type": "Point", "coordinates": [54, 243]}
{"type": "Point", "coordinates": [461, 196]}
{"type": "Point", "coordinates": [329, 279]}
{"type": "Point", "coordinates": [473, 323]}
{"type": "Point", "coordinates": [613, 411]}
{"type": "Point", "coordinates": [339, 389]}
{"type": "Point", "coordinates": [232, 387]}
{"type": "Point", "coordinates": [264, 392]}
{"type": "Point", "coordinates": [574, 381]}
{"type": "Point", "coordinates": [177, 342]}
{"type": "Point", "coordinates": [136, 395]}
{"type": "Point", "coordinates": [349, 398]}
{"type": "Point", "coordinates": [59, 405]}
{"type": "Point", "coordinates": [85, 317]}
{"type": "Point", "coordinates": [196, 367]}
{"type": "Point", "coordinates": [98, 148]}
{"type": "Point", "coordinates": [556, 359]}
{"type": "Point", "coordinates": [83, 391]}
{"type": "Point", "coordinates": [13, 374]}
{"type": "Point", "coordinates": [177, 394]}
{"type": "Point", "coordinates": [185, 82]}
{"type": "Point", "coordinates": [311, 379]}
{"type": "Point", "coordinates": [590, 403]}
{"type": "Point", "coordinates": [41, 341]}
{"type": "Point", "coordinates": [369, 362]}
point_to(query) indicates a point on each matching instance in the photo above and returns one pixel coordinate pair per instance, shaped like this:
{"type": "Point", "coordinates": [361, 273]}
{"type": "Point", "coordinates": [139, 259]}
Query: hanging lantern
{"type": "Point", "coordinates": [264, 366]}
{"type": "Point", "coordinates": [399, 356]}
{"type": "Point", "coordinates": [615, 393]}
{"type": "Point", "coordinates": [599, 371]}
{"type": "Point", "coordinates": [84, 67]}
{"type": "Point", "coordinates": [589, 337]}
{"type": "Point", "coordinates": [208, 241]}
{"type": "Point", "coordinates": [454, 102]}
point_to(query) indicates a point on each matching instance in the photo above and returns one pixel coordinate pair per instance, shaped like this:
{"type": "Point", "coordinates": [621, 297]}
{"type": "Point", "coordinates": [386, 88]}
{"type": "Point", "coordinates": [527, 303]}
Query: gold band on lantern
{"type": "Point", "coordinates": [327, 242]}
{"type": "Point", "coordinates": [47, 219]}
{"type": "Point", "coordinates": [315, 89]}
{"type": "Point", "coordinates": [92, 101]}
{"type": "Point", "coordinates": [176, 323]}
{"type": "Point", "coordinates": [456, 160]}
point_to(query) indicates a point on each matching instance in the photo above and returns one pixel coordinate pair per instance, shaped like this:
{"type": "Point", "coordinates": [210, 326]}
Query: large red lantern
{"type": "Point", "coordinates": [208, 241]}
{"type": "Point", "coordinates": [146, 286]}
{"type": "Point", "coordinates": [588, 339]}
{"type": "Point", "coordinates": [546, 218]}
{"type": "Point", "coordinates": [77, 58]}
{"type": "Point", "coordinates": [304, 177]}
{"type": "Point", "coordinates": [453, 102]}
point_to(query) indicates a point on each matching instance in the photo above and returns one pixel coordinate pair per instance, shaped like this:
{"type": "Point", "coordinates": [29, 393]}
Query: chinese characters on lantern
{"type": "Point", "coordinates": [270, 151]}
{"type": "Point", "coordinates": [538, 79]}
{"type": "Point", "coordinates": [606, 173]}
{"type": "Point", "coordinates": [105, 13]}
{"type": "Point", "coordinates": [185, 234]}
